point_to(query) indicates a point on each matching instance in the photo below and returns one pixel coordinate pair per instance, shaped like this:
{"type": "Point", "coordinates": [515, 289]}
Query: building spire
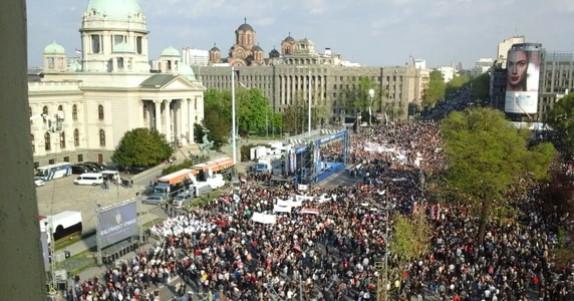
{"type": "Point", "coordinates": [244, 20]}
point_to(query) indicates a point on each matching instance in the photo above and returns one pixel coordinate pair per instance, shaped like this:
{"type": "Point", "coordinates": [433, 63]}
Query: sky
{"type": "Point", "coordinates": [369, 32]}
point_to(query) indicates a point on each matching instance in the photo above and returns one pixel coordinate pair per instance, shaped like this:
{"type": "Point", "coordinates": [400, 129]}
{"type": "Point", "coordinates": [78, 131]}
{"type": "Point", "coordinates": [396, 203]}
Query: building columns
{"type": "Point", "coordinates": [190, 122]}
{"type": "Point", "coordinates": [157, 115]}
{"type": "Point", "coordinates": [178, 113]}
{"type": "Point", "coordinates": [167, 120]}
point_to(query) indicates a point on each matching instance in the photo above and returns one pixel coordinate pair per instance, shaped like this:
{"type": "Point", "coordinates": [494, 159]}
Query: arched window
{"type": "Point", "coordinates": [76, 137]}
{"type": "Point", "coordinates": [75, 112]}
{"type": "Point", "coordinates": [101, 112]}
{"type": "Point", "coordinates": [45, 110]}
{"type": "Point", "coordinates": [47, 145]}
{"type": "Point", "coordinates": [102, 138]}
{"type": "Point", "coordinates": [63, 140]}
{"type": "Point", "coordinates": [60, 108]}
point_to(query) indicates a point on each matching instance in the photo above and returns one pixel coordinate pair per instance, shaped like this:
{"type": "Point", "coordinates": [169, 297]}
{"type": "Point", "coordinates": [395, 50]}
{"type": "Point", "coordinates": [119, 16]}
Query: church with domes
{"type": "Point", "coordinates": [110, 89]}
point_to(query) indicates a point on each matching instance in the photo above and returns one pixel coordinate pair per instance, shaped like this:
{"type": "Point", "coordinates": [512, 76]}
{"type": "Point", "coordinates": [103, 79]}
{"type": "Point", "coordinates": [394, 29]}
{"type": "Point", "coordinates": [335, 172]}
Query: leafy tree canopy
{"type": "Point", "coordinates": [142, 148]}
{"type": "Point", "coordinates": [561, 118]}
{"type": "Point", "coordinates": [253, 111]}
{"type": "Point", "coordinates": [457, 82]}
{"type": "Point", "coordinates": [486, 155]}
{"type": "Point", "coordinates": [436, 89]}
{"type": "Point", "coordinates": [411, 236]}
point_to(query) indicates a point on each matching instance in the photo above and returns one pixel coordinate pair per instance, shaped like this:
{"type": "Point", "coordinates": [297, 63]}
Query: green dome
{"type": "Point", "coordinates": [115, 9]}
{"type": "Point", "coordinates": [170, 51]}
{"type": "Point", "coordinates": [54, 48]}
{"type": "Point", "coordinates": [186, 71]}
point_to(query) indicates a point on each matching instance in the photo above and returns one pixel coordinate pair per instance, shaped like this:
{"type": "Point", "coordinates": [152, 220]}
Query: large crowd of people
{"type": "Point", "coordinates": [329, 245]}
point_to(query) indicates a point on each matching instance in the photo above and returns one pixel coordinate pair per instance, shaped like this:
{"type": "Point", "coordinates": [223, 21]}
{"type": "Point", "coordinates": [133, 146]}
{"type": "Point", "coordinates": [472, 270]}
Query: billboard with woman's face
{"type": "Point", "coordinates": [523, 79]}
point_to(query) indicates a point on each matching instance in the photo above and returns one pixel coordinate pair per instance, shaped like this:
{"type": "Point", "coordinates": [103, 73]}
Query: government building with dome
{"type": "Point", "coordinates": [285, 76]}
{"type": "Point", "coordinates": [81, 108]}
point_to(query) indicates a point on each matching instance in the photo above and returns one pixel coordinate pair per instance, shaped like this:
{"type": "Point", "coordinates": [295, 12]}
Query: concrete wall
{"type": "Point", "coordinates": [22, 273]}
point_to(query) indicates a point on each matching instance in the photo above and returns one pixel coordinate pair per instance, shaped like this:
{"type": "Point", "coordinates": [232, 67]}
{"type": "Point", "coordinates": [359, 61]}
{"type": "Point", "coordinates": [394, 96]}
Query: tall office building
{"type": "Point", "coordinates": [527, 94]}
{"type": "Point", "coordinates": [504, 47]}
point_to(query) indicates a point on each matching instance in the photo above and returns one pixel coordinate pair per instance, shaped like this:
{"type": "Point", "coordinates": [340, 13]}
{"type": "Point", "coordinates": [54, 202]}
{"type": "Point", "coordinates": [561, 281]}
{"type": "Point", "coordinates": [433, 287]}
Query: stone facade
{"type": "Point", "coordinates": [81, 114]}
{"type": "Point", "coordinates": [283, 84]}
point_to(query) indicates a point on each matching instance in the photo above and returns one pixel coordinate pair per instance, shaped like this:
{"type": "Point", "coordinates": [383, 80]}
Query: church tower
{"type": "Point", "coordinates": [114, 37]}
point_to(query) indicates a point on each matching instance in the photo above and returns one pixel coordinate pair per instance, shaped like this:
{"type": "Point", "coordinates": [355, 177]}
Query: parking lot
{"type": "Point", "coordinates": [61, 194]}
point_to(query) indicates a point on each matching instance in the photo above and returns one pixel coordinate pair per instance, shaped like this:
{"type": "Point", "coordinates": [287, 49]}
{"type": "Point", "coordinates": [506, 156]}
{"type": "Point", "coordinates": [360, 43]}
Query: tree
{"type": "Point", "coordinates": [253, 111]}
{"type": "Point", "coordinates": [410, 240]}
{"type": "Point", "coordinates": [458, 82]}
{"type": "Point", "coordinates": [411, 237]}
{"type": "Point", "coordinates": [435, 90]}
{"type": "Point", "coordinates": [294, 117]}
{"type": "Point", "coordinates": [198, 132]}
{"type": "Point", "coordinates": [219, 127]}
{"type": "Point", "coordinates": [357, 99]}
{"type": "Point", "coordinates": [481, 87]}
{"type": "Point", "coordinates": [142, 148]}
{"type": "Point", "coordinates": [561, 118]}
{"type": "Point", "coordinates": [485, 156]}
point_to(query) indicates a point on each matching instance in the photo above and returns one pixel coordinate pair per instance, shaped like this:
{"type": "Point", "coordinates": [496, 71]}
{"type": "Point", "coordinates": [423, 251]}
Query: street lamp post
{"type": "Point", "coordinates": [233, 139]}
{"type": "Point", "coordinates": [309, 89]}
{"type": "Point", "coordinates": [371, 96]}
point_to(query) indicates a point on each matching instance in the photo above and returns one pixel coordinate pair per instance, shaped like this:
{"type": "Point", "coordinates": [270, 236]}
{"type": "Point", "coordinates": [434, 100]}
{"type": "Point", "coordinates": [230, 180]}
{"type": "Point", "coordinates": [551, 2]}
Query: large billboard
{"type": "Point", "coordinates": [523, 79]}
{"type": "Point", "coordinates": [117, 223]}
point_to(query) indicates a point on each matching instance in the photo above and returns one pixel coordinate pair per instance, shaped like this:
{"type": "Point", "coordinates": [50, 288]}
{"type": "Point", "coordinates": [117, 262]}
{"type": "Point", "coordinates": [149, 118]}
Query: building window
{"type": "Point", "coordinates": [102, 138]}
{"type": "Point", "coordinates": [100, 158]}
{"type": "Point", "coordinates": [139, 45]}
{"type": "Point", "coordinates": [51, 161]}
{"type": "Point", "coordinates": [47, 145]}
{"type": "Point", "coordinates": [76, 137]}
{"type": "Point", "coordinates": [66, 159]}
{"type": "Point", "coordinates": [75, 112]}
{"type": "Point", "coordinates": [51, 63]}
{"type": "Point", "coordinates": [120, 63]}
{"type": "Point", "coordinates": [80, 158]}
{"type": "Point", "coordinates": [96, 44]}
{"type": "Point", "coordinates": [63, 140]}
{"type": "Point", "coordinates": [33, 144]}
{"type": "Point", "coordinates": [101, 112]}
{"type": "Point", "coordinates": [45, 110]}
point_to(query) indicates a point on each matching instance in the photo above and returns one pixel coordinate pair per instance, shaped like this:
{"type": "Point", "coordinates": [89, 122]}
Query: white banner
{"type": "Point", "coordinates": [282, 209]}
{"type": "Point", "coordinates": [301, 198]}
{"type": "Point", "coordinates": [263, 218]}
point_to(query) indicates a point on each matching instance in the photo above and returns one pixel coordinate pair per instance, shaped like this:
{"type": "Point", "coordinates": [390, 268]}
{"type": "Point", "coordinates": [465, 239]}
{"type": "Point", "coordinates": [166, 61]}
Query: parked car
{"type": "Point", "coordinates": [87, 167]}
{"type": "Point", "coordinates": [97, 166]}
{"type": "Point", "coordinates": [89, 179]}
{"type": "Point", "coordinates": [155, 199]}
{"type": "Point", "coordinates": [180, 200]}
{"type": "Point", "coordinates": [79, 169]}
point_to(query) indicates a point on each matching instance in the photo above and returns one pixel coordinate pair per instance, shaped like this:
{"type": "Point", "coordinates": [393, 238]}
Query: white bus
{"type": "Point", "coordinates": [54, 171]}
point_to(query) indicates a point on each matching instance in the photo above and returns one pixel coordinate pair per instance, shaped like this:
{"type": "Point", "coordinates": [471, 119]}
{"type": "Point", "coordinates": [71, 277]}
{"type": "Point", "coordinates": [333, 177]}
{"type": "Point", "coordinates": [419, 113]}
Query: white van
{"type": "Point", "coordinates": [89, 179]}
